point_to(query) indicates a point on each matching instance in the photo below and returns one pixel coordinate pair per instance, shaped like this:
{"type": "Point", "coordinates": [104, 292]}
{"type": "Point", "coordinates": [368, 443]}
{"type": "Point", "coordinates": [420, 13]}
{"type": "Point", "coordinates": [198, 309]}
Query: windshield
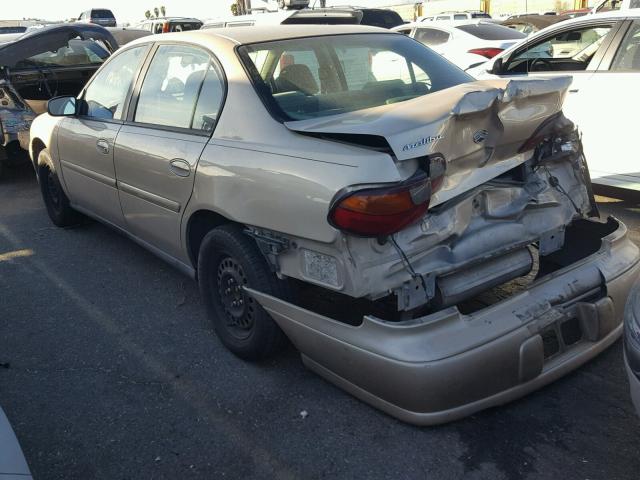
{"type": "Point", "coordinates": [320, 76]}
{"type": "Point", "coordinates": [102, 14]}
{"type": "Point", "coordinates": [76, 53]}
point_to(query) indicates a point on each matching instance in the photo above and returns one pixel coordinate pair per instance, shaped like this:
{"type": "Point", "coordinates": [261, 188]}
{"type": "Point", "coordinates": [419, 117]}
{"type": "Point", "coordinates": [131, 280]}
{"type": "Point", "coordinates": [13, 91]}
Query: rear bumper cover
{"type": "Point", "coordinates": [447, 365]}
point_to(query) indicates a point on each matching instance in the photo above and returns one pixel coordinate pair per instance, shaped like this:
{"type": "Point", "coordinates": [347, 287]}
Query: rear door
{"type": "Point", "coordinates": [85, 142]}
{"type": "Point", "coordinates": [172, 116]}
{"type": "Point", "coordinates": [607, 113]}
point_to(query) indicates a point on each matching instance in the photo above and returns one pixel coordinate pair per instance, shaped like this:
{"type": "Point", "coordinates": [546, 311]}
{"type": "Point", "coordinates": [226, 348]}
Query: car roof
{"type": "Point", "coordinates": [266, 33]}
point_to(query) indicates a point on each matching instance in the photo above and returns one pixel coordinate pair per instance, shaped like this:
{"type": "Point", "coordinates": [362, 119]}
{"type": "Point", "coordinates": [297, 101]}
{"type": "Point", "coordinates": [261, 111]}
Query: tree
{"type": "Point", "coordinates": [234, 9]}
{"type": "Point", "coordinates": [147, 14]}
{"type": "Point", "coordinates": [156, 11]}
{"type": "Point", "coordinates": [163, 11]}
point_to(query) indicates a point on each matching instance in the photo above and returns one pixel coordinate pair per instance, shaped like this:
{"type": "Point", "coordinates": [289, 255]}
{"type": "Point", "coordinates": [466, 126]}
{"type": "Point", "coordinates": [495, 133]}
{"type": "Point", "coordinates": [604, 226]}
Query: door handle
{"type": "Point", "coordinates": [574, 90]}
{"type": "Point", "coordinates": [180, 167]}
{"type": "Point", "coordinates": [103, 146]}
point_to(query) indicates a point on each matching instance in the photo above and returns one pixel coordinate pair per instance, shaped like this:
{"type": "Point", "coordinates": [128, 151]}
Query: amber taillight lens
{"type": "Point", "coordinates": [381, 211]}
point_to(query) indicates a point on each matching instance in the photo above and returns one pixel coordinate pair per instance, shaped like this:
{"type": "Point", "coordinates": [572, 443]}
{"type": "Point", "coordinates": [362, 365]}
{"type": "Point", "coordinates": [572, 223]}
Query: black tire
{"type": "Point", "coordinates": [227, 260]}
{"type": "Point", "coordinates": [56, 201]}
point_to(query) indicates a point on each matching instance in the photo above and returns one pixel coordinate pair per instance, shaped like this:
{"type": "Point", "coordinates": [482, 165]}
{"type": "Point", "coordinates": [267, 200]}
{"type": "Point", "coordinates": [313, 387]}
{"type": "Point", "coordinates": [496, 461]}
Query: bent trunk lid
{"type": "Point", "coordinates": [478, 127]}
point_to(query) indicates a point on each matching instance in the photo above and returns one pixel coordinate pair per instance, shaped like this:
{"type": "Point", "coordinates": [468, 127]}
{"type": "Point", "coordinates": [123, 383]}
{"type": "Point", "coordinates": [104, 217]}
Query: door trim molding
{"type": "Point", "coordinates": [98, 177]}
{"type": "Point", "coordinates": [150, 197]}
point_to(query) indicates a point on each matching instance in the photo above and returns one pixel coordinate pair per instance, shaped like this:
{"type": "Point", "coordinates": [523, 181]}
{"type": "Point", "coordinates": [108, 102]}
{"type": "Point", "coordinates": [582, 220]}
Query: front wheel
{"type": "Point", "coordinates": [227, 262]}
{"type": "Point", "coordinates": [56, 201]}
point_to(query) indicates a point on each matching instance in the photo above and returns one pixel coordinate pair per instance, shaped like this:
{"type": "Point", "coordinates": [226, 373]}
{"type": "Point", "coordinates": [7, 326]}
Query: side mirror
{"type": "Point", "coordinates": [62, 106]}
{"type": "Point", "coordinates": [497, 66]}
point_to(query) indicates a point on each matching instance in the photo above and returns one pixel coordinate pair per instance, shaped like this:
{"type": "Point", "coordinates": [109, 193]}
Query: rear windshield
{"type": "Point", "coordinates": [184, 26]}
{"type": "Point", "coordinates": [76, 53]}
{"type": "Point", "coordinates": [381, 18]}
{"type": "Point", "coordinates": [480, 15]}
{"type": "Point", "coordinates": [101, 14]}
{"type": "Point", "coordinates": [319, 76]}
{"type": "Point", "coordinates": [487, 31]}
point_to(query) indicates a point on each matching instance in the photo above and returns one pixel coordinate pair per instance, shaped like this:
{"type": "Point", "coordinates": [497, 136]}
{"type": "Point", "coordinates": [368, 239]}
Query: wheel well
{"type": "Point", "coordinates": [201, 223]}
{"type": "Point", "coordinates": [36, 147]}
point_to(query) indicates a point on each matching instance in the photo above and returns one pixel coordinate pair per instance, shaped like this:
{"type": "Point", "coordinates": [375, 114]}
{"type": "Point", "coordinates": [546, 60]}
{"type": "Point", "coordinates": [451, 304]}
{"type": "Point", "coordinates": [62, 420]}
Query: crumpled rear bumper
{"type": "Point", "coordinates": [447, 365]}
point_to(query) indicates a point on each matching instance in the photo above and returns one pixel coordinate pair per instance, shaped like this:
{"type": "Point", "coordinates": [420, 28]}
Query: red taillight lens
{"type": "Point", "coordinates": [165, 27]}
{"type": "Point", "coordinates": [486, 52]}
{"type": "Point", "coordinates": [375, 212]}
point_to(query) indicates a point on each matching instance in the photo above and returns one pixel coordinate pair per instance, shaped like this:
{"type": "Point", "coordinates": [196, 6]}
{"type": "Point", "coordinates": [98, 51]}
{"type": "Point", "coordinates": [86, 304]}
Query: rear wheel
{"type": "Point", "coordinates": [227, 262]}
{"type": "Point", "coordinates": [56, 201]}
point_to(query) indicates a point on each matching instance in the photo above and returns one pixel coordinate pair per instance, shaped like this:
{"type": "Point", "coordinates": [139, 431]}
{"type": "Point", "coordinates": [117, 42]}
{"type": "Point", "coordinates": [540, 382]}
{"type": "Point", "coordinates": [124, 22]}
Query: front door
{"type": "Point", "coordinates": [85, 142]}
{"type": "Point", "coordinates": [157, 150]}
{"type": "Point", "coordinates": [607, 113]}
{"type": "Point", "coordinates": [573, 51]}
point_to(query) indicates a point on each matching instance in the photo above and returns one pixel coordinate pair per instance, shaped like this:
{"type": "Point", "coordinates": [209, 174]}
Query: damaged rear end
{"type": "Point", "coordinates": [480, 276]}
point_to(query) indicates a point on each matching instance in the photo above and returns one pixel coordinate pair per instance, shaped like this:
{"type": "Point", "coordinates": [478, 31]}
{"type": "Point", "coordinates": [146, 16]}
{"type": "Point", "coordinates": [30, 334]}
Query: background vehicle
{"type": "Point", "coordinates": [454, 17]}
{"type": "Point", "coordinates": [376, 17]}
{"type": "Point", "coordinates": [170, 24]}
{"type": "Point", "coordinates": [341, 189]}
{"type": "Point", "coordinates": [632, 344]}
{"type": "Point", "coordinates": [12, 462]}
{"type": "Point", "coordinates": [464, 43]}
{"type": "Point", "coordinates": [293, 4]}
{"type": "Point", "coordinates": [100, 16]}
{"type": "Point", "coordinates": [529, 24]}
{"type": "Point", "coordinates": [40, 65]}
{"type": "Point", "coordinates": [615, 5]}
{"type": "Point", "coordinates": [14, 29]}
{"type": "Point", "coordinates": [124, 35]}
{"type": "Point", "coordinates": [601, 53]}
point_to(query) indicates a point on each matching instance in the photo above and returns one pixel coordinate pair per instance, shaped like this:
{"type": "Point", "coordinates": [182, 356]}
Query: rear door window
{"type": "Point", "coordinates": [172, 85]}
{"type": "Point", "coordinates": [431, 36]}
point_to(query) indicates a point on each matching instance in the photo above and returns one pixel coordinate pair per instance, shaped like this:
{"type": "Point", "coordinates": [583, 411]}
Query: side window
{"type": "Point", "coordinates": [106, 94]}
{"type": "Point", "coordinates": [209, 101]}
{"type": "Point", "coordinates": [431, 36]}
{"type": "Point", "coordinates": [171, 86]}
{"type": "Point", "coordinates": [570, 50]}
{"type": "Point", "coordinates": [443, 17]}
{"type": "Point", "coordinates": [628, 56]}
{"type": "Point", "coordinates": [460, 16]}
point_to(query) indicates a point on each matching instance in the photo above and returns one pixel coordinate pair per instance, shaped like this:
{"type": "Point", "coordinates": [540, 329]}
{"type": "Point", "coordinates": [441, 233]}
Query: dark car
{"type": "Point", "coordinates": [632, 344]}
{"type": "Point", "coordinates": [100, 16]}
{"type": "Point", "coordinates": [39, 65]}
{"type": "Point", "coordinates": [380, 17]}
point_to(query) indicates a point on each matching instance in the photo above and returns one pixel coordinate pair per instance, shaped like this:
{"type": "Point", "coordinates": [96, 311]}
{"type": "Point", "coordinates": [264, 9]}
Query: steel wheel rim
{"type": "Point", "coordinates": [238, 307]}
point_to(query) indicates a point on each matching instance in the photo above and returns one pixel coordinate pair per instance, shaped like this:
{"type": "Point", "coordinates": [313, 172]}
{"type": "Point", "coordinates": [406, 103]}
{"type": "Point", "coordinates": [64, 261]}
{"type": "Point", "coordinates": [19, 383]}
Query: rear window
{"type": "Point", "coordinates": [76, 53]}
{"type": "Point", "coordinates": [320, 76]}
{"type": "Point", "coordinates": [480, 15]}
{"type": "Point", "coordinates": [184, 26]}
{"type": "Point", "coordinates": [101, 14]}
{"type": "Point", "coordinates": [487, 31]}
{"type": "Point", "coordinates": [383, 19]}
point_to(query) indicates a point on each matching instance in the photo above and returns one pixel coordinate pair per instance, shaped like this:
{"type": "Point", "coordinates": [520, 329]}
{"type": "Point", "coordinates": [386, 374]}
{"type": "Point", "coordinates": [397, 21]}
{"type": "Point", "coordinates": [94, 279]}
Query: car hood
{"type": "Point", "coordinates": [51, 38]}
{"type": "Point", "coordinates": [478, 127]}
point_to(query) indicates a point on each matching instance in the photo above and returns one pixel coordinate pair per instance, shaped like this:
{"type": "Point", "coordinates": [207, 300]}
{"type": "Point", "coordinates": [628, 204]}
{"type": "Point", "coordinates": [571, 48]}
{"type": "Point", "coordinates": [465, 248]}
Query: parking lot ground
{"type": "Point", "coordinates": [111, 370]}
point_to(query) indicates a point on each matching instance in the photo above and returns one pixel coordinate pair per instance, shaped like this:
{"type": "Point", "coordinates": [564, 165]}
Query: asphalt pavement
{"type": "Point", "coordinates": [109, 369]}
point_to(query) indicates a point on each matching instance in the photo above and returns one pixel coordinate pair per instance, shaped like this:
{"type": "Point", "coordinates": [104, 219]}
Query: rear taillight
{"type": "Point", "coordinates": [489, 52]}
{"type": "Point", "coordinates": [556, 128]}
{"type": "Point", "coordinates": [165, 27]}
{"type": "Point", "coordinates": [381, 211]}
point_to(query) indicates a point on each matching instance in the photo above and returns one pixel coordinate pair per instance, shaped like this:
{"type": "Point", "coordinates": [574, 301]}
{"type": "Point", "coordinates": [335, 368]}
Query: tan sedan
{"type": "Point", "coordinates": [427, 242]}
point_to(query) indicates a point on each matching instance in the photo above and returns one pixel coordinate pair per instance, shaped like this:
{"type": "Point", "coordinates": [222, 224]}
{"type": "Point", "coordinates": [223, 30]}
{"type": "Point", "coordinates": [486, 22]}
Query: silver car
{"type": "Point", "coordinates": [427, 242]}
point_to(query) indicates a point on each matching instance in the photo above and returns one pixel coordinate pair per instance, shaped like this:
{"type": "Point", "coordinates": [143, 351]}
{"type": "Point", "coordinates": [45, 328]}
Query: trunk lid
{"type": "Point", "coordinates": [477, 127]}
